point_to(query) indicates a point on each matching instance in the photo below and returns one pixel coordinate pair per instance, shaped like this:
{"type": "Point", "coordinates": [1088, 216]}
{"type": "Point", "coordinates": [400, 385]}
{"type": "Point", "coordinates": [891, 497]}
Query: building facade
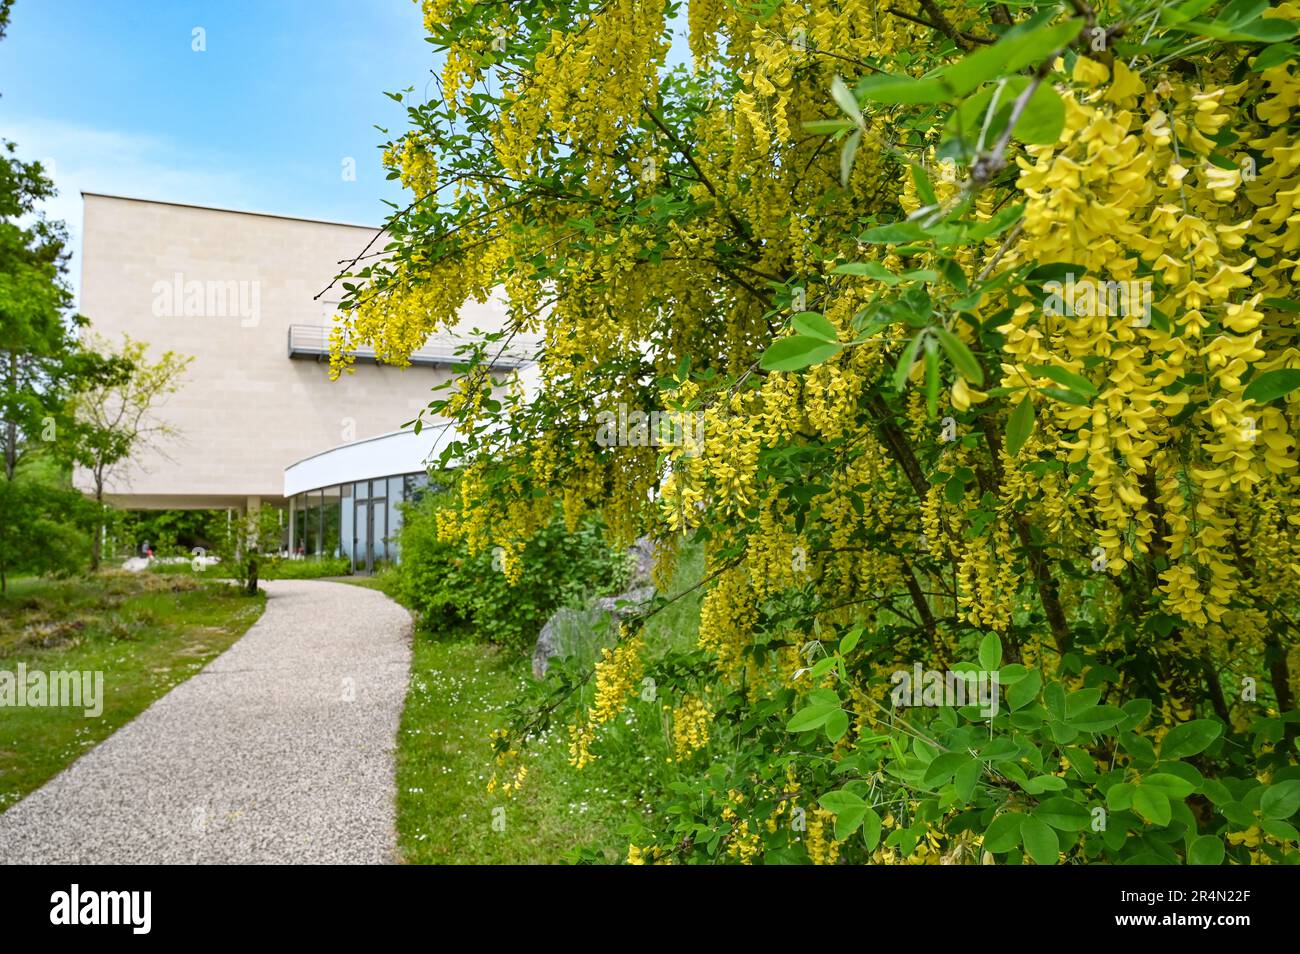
{"type": "Point", "coordinates": [257, 419]}
{"type": "Point", "coordinates": [347, 501]}
{"type": "Point", "coordinates": [240, 293]}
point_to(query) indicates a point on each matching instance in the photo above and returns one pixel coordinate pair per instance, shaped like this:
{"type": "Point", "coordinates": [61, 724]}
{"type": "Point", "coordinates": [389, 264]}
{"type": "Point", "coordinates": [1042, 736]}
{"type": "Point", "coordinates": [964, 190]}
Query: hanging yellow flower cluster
{"type": "Point", "coordinates": [660, 228]}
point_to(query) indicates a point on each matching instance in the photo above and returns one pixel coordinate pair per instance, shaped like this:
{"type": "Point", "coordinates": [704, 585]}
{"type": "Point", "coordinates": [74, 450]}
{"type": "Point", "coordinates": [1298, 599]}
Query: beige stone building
{"type": "Point", "coordinates": [257, 418]}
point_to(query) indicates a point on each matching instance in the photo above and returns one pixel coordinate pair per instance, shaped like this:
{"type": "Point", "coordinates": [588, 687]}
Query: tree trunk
{"type": "Point", "coordinates": [97, 544]}
{"type": "Point", "coordinates": [11, 427]}
{"type": "Point", "coordinates": [252, 576]}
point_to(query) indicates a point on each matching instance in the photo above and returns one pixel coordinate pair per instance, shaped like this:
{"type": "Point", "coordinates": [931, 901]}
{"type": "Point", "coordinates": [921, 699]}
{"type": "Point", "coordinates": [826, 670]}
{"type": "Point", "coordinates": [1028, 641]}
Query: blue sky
{"type": "Point", "coordinates": [112, 94]}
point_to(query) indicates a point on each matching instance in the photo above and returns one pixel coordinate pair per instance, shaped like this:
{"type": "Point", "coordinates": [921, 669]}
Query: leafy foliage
{"type": "Point", "coordinates": [987, 316]}
{"type": "Point", "coordinates": [452, 590]}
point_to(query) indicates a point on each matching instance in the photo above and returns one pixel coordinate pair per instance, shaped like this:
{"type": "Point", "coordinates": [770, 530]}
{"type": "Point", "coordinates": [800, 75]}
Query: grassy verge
{"type": "Point", "coordinates": [444, 811]}
{"type": "Point", "coordinates": [145, 633]}
{"type": "Point", "coordinates": [458, 692]}
{"type": "Point", "coordinates": [272, 568]}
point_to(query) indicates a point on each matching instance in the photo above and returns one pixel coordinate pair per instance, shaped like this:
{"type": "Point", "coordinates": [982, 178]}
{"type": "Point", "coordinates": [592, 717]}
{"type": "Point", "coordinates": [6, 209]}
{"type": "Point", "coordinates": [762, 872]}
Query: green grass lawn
{"type": "Point", "coordinates": [444, 811]}
{"type": "Point", "coordinates": [270, 568]}
{"type": "Point", "coordinates": [457, 694]}
{"type": "Point", "coordinates": [145, 632]}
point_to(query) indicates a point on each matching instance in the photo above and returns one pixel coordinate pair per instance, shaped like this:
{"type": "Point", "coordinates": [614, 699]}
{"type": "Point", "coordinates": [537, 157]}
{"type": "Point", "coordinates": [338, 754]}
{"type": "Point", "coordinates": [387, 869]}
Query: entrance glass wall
{"type": "Point", "coordinates": [359, 521]}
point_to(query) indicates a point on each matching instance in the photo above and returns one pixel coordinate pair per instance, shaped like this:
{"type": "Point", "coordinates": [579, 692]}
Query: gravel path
{"type": "Point", "coordinates": [280, 750]}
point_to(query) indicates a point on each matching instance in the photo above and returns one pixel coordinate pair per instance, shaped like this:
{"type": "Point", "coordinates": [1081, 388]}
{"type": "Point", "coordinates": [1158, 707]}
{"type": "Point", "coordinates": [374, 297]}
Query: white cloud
{"type": "Point", "coordinates": [87, 159]}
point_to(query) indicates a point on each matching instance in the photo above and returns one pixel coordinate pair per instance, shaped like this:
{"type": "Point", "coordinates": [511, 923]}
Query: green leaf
{"type": "Point", "coordinates": [943, 767]}
{"type": "Point", "coordinates": [850, 640]}
{"type": "Point", "coordinates": [847, 822]}
{"type": "Point", "coordinates": [1120, 796]}
{"type": "Point", "coordinates": [1011, 54]}
{"type": "Point", "coordinates": [965, 779]}
{"type": "Point", "coordinates": [1043, 118]}
{"type": "Point", "coordinates": [814, 325]}
{"type": "Point", "coordinates": [836, 725]}
{"type": "Point", "coordinates": [1043, 783]}
{"type": "Point", "coordinates": [1272, 385]}
{"type": "Point", "coordinates": [1184, 11]}
{"type": "Point", "coordinates": [1153, 805]}
{"type": "Point", "coordinates": [1260, 31]}
{"type": "Point", "coordinates": [990, 652]}
{"type": "Point", "coordinates": [884, 88]}
{"type": "Point", "coordinates": [1012, 673]}
{"type": "Point", "coordinates": [1054, 696]}
{"type": "Point", "coordinates": [1020, 425]}
{"type": "Point", "coordinates": [822, 667]}
{"type": "Point", "coordinates": [894, 233]}
{"type": "Point", "coordinates": [998, 223]}
{"type": "Point", "coordinates": [953, 491]}
{"type": "Point", "coordinates": [824, 697]}
{"type": "Point", "coordinates": [1040, 841]}
{"type": "Point", "coordinates": [871, 829]}
{"type": "Point", "coordinates": [869, 270]}
{"type": "Point", "coordinates": [1097, 718]}
{"type": "Point", "coordinates": [1060, 394]}
{"type": "Point", "coordinates": [1067, 379]}
{"type": "Point", "coordinates": [1189, 738]}
{"type": "Point", "coordinates": [1080, 700]}
{"type": "Point", "coordinates": [1238, 12]}
{"type": "Point", "coordinates": [1216, 791]}
{"type": "Point", "coordinates": [1275, 55]}
{"type": "Point", "coordinates": [1063, 813]}
{"type": "Point", "coordinates": [1280, 829]}
{"type": "Point", "coordinates": [906, 360]}
{"type": "Point", "coordinates": [841, 800]}
{"type": "Point", "coordinates": [1173, 786]}
{"type": "Point", "coordinates": [848, 152]}
{"type": "Point", "coordinates": [1025, 691]}
{"type": "Point", "coordinates": [1206, 850]}
{"type": "Point", "coordinates": [1280, 800]}
{"type": "Point", "coordinates": [811, 717]}
{"type": "Point", "coordinates": [924, 190]}
{"type": "Point", "coordinates": [846, 101]}
{"type": "Point", "coordinates": [1040, 123]}
{"type": "Point", "coordinates": [961, 357]}
{"type": "Point", "coordinates": [796, 353]}
{"type": "Point", "coordinates": [1135, 712]}
{"type": "Point", "coordinates": [931, 377]}
{"type": "Point", "coordinates": [827, 127]}
{"type": "Point", "coordinates": [1003, 832]}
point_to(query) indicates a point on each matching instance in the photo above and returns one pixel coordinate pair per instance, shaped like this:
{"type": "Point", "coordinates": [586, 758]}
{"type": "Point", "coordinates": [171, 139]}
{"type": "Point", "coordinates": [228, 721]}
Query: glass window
{"type": "Point", "coordinates": [301, 526]}
{"type": "Point", "coordinates": [312, 526]}
{"type": "Point", "coordinates": [414, 486]}
{"type": "Point", "coordinates": [359, 536]}
{"type": "Point", "coordinates": [331, 518]}
{"type": "Point", "coordinates": [347, 526]}
{"type": "Point", "coordinates": [394, 515]}
{"type": "Point", "coordinates": [380, 511]}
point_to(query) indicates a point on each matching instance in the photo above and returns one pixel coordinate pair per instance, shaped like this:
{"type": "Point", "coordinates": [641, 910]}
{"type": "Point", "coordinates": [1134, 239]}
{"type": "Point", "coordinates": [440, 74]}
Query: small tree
{"type": "Point", "coordinates": [42, 366]}
{"type": "Point", "coordinates": [113, 419]}
{"type": "Point", "coordinates": [243, 539]}
{"type": "Point", "coordinates": [44, 521]}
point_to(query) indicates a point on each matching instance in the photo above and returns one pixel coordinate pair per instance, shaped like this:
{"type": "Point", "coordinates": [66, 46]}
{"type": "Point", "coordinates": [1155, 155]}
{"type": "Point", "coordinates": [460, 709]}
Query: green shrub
{"type": "Point", "coordinates": [276, 568]}
{"type": "Point", "coordinates": [269, 568]}
{"type": "Point", "coordinates": [169, 532]}
{"type": "Point", "coordinates": [449, 589]}
{"type": "Point", "coordinates": [48, 527]}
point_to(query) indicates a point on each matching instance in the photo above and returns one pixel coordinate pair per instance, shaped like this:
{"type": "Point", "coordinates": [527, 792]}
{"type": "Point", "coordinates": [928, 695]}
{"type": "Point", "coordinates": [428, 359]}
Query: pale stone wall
{"type": "Point", "coordinates": [245, 410]}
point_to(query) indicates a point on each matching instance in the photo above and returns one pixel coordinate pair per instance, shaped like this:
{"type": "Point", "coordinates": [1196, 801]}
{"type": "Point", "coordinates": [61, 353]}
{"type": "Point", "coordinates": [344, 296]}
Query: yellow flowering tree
{"type": "Point", "coordinates": [971, 330]}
